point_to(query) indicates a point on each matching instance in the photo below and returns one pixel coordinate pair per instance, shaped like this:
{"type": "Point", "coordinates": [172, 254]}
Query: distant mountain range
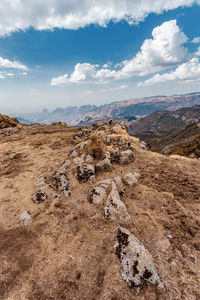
{"type": "Point", "coordinates": [127, 110]}
{"type": "Point", "coordinates": [171, 132]}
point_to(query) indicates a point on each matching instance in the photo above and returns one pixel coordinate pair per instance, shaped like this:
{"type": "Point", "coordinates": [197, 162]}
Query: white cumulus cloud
{"type": "Point", "coordinates": [73, 14]}
{"type": "Point", "coordinates": [196, 40]}
{"type": "Point", "coordinates": [189, 71]}
{"type": "Point", "coordinates": [165, 49]}
{"type": "Point", "coordinates": [6, 63]}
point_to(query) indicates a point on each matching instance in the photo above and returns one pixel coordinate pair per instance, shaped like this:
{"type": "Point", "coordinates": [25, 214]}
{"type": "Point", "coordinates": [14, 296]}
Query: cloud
{"type": "Point", "coordinates": [10, 74]}
{"type": "Point", "coordinates": [165, 49]}
{"type": "Point", "coordinates": [5, 63]}
{"type": "Point", "coordinates": [85, 73]}
{"type": "Point", "coordinates": [189, 71]}
{"type": "Point", "coordinates": [196, 40]}
{"type": "Point", "coordinates": [197, 53]}
{"type": "Point", "coordinates": [73, 14]}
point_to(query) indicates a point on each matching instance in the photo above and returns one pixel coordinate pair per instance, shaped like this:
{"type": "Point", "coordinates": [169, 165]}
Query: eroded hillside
{"type": "Point", "coordinates": [167, 130]}
{"type": "Point", "coordinates": [90, 213]}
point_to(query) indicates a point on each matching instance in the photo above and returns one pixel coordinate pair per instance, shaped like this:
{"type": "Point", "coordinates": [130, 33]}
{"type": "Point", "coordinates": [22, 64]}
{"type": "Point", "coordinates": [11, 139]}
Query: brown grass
{"type": "Point", "coordinates": [95, 147]}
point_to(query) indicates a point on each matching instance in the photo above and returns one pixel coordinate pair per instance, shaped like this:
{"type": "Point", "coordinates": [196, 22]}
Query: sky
{"type": "Point", "coordinates": [58, 53]}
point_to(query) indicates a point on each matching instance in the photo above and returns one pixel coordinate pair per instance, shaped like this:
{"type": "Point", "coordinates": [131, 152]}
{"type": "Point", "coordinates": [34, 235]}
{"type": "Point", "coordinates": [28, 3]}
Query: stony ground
{"type": "Point", "coordinates": [71, 247]}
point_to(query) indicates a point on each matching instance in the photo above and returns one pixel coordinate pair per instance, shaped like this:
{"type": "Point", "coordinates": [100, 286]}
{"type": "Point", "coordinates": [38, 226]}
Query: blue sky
{"type": "Point", "coordinates": [97, 57]}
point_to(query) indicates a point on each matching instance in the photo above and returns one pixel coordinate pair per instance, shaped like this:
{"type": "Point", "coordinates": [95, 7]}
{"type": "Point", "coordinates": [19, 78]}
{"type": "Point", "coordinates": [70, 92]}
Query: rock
{"type": "Point", "coordinates": [107, 154]}
{"type": "Point", "coordinates": [130, 179]}
{"type": "Point", "coordinates": [105, 183]}
{"type": "Point", "coordinates": [25, 218]}
{"type": "Point", "coordinates": [63, 169]}
{"type": "Point", "coordinates": [89, 159]}
{"type": "Point", "coordinates": [9, 131]}
{"type": "Point", "coordinates": [97, 195]}
{"type": "Point", "coordinates": [121, 126]}
{"type": "Point", "coordinates": [40, 196]}
{"type": "Point", "coordinates": [142, 145]}
{"type": "Point", "coordinates": [61, 180]}
{"type": "Point", "coordinates": [137, 175]}
{"type": "Point", "coordinates": [103, 165]}
{"type": "Point", "coordinates": [115, 155]}
{"type": "Point", "coordinates": [73, 154]}
{"type": "Point", "coordinates": [115, 209]}
{"type": "Point", "coordinates": [119, 184]}
{"type": "Point", "coordinates": [85, 173]}
{"type": "Point", "coordinates": [137, 262]}
{"type": "Point", "coordinates": [78, 160]}
{"type": "Point", "coordinates": [126, 157]}
{"type": "Point", "coordinates": [62, 183]}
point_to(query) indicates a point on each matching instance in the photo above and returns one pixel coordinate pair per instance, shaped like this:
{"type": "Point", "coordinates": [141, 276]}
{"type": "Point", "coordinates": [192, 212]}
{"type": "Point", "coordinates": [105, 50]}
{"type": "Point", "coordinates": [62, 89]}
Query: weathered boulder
{"type": "Point", "coordinates": [74, 153]}
{"type": "Point", "coordinates": [119, 184]}
{"type": "Point", "coordinates": [130, 179]}
{"type": "Point", "coordinates": [63, 184]}
{"type": "Point", "coordinates": [89, 159]}
{"type": "Point", "coordinates": [115, 155]}
{"type": "Point", "coordinates": [86, 173]}
{"type": "Point", "coordinates": [97, 195]}
{"type": "Point", "coordinates": [78, 160]}
{"type": "Point", "coordinates": [144, 145]}
{"type": "Point", "coordinates": [9, 131]}
{"type": "Point", "coordinates": [105, 183]}
{"type": "Point", "coordinates": [61, 180]}
{"type": "Point", "coordinates": [126, 157]}
{"type": "Point", "coordinates": [115, 209]}
{"type": "Point", "coordinates": [121, 126]}
{"type": "Point", "coordinates": [137, 262]}
{"type": "Point", "coordinates": [103, 165]}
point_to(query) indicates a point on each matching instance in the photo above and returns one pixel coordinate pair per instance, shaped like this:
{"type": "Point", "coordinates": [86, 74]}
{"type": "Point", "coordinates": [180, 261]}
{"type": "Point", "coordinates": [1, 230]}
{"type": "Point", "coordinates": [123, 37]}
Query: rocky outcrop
{"type": "Point", "coordinates": [48, 188]}
{"type": "Point", "coordinates": [119, 185]}
{"type": "Point", "coordinates": [97, 195]}
{"type": "Point", "coordinates": [126, 157]}
{"type": "Point", "coordinates": [115, 209]}
{"type": "Point", "coordinates": [61, 180]}
{"type": "Point", "coordinates": [103, 165]}
{"type": "Point", "coordinates": [86, 173]}
{"type": "Point", "coordinates": [137, 262]}
{"type": "Point", "coordinates": [10, 131]}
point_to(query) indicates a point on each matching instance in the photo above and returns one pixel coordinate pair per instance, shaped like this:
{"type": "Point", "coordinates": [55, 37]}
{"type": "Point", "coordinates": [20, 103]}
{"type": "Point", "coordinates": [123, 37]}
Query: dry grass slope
{"type": "Point", "coordinates": [67, 251]}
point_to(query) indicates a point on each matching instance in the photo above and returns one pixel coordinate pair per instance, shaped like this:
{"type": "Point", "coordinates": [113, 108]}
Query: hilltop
{"type": "Point", "coordinates": [90, 213]}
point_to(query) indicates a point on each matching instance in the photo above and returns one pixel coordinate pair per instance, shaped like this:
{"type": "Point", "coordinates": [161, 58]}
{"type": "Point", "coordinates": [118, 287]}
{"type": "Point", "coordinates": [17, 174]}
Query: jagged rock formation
{"type": "Point", "coordinates": [90, 213]}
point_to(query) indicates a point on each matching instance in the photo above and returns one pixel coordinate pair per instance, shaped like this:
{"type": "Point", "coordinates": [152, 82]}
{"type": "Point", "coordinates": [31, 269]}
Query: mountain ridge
{"type": "Point", "coordinates": [88, 114]}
